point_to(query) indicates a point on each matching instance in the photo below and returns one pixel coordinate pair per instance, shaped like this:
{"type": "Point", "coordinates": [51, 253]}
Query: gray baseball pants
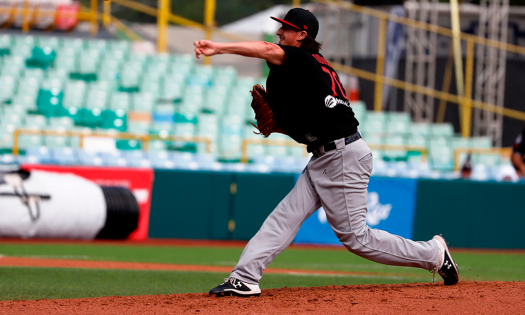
{"type": "Point", "coordinates": [336, 180]}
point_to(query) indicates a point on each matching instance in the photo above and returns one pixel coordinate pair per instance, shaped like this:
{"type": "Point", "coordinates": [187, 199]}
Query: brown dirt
{"type": "Point", "coordinates": [463, 298]}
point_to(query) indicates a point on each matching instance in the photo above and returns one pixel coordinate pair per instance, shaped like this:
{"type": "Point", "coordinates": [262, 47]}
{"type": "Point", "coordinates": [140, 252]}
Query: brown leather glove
{"type": "Point", "coordinates": [263, 113]}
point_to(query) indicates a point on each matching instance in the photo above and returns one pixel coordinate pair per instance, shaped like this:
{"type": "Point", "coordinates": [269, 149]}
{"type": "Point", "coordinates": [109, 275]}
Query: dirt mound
{"type": "Point", "coordinates": [482, 297]}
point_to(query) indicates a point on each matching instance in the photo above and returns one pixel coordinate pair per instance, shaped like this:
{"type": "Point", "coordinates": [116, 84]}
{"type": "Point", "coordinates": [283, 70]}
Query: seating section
{"type": "Point", "coordinates": [71, 86]}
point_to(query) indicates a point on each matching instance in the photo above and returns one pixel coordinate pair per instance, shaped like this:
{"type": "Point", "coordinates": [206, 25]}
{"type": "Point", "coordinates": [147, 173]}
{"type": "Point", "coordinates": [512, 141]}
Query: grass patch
{"type": "Point", "coordinates": [473, 266]}
{"type": "Point", "coordinates": [59, 283]}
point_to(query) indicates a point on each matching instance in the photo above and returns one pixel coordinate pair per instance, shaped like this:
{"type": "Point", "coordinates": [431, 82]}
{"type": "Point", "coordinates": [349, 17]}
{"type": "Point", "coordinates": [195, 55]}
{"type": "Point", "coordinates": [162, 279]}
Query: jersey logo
{"type": "Point", "coordinates": [331, 102]}
{"type": "Point", "coordinates": [310, 137]}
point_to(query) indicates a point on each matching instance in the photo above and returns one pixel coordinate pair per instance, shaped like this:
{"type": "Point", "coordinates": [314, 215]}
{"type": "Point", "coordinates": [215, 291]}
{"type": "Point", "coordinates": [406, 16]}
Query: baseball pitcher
{"type": "Point", "coordinates": [306, 100]}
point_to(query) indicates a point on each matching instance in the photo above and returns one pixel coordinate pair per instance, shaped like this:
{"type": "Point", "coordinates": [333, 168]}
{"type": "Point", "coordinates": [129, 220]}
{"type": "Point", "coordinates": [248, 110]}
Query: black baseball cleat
{"type": "Point", "coordinates": [448, 269]}
{"type": "Point", "coordinates": [232, 286]}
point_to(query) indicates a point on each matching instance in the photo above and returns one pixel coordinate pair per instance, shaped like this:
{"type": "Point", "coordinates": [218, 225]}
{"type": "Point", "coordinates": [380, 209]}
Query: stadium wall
{"type": "Point", "coordinates": [471, 214]}
{"type": "Point", "coordinates": [214, 205]}
{"type": "Point", "coordinates": [232, 206]}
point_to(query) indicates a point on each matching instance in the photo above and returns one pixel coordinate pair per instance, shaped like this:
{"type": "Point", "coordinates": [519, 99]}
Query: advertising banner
{"type": "Point", "coordinates": [138, 180]}
{"type": "Point", "coordinates": [391, 207]}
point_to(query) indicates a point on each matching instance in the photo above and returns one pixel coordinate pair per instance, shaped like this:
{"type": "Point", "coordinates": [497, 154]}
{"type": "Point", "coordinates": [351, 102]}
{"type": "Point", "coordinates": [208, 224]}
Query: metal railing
{"type": "Point", "coordinates": [144, 138]}
{"type": "Point", "coordinates": [466, 101]}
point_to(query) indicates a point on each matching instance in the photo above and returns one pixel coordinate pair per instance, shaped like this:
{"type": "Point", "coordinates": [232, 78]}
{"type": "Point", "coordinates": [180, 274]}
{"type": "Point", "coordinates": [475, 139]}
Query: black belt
{"type": "Point", "coordinates": [329, 146]}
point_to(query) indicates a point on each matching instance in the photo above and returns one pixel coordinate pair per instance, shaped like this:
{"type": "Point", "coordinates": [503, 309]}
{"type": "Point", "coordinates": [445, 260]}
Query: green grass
{"type": "Point", "coordinates": [52, 283]}
{"type": "Point", "coordinates": [475, 266]}
{"type": "Point", "coordinates": [35, 283]}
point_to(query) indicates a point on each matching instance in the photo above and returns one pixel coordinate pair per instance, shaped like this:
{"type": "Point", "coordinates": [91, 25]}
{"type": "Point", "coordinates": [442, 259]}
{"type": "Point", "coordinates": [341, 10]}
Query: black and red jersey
{"type": "Point", "coordinates": [308, 99]}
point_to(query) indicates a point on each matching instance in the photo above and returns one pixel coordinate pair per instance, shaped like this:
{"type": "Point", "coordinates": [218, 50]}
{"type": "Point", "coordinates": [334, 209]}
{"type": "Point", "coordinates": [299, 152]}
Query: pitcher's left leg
{"type": "Point", "coordinates": [344, 197]}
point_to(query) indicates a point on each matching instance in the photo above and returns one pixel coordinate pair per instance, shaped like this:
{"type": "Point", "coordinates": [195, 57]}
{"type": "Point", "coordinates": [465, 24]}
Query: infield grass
{"type": "Point", "coordinates": [59, 283]}
{"type": "Point", "coordinates": [472, 266]}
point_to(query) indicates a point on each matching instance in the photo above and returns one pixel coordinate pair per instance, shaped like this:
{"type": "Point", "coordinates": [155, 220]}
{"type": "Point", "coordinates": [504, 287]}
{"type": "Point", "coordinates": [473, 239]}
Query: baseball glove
{"type": "Point", "coordinates": [263, 113]}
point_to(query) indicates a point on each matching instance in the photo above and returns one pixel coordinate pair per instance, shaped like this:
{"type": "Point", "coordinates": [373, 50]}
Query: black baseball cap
{"type": "Point", "coordinates": [302, 20]}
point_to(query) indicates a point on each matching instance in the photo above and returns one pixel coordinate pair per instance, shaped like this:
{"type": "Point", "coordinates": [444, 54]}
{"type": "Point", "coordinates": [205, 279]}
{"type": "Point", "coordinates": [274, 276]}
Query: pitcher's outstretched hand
{"type": "Point", "coordinates": [205, 47]}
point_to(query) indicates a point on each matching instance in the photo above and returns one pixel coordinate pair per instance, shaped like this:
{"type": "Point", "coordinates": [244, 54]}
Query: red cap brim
{"type": "Point", "coordinates": [284, 22]}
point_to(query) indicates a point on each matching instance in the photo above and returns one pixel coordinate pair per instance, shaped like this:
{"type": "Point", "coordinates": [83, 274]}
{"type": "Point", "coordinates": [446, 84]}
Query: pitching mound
{"type": "Point", "coordinates": [467, 297]}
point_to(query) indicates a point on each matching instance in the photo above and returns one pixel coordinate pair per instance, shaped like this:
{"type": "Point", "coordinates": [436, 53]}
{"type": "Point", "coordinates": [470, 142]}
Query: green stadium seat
{"type": "Point", "coordinates": [89, 117]}
{"type": "Point", "coordinates": [5, 41]}
{"type": "Point", "coordinates": [481, 142]}
{"type": "Point", "coordinates": [120, 45]}
{"type": "Point", "coordinates": [371, 125]}
{"type": "Point", "coordinates": [215, 103]}
{"type": "Point", "coordinates": [119, 101]}
{"type": "Point", "coordinates": [21, 51]}
{"type": "Point", "coordinates": [417, 140]}
{"type": "Point", "coordinates": [487, 159]}
{"type": "Point", "coordinates": [172, 91]}
{"type": "Point", "coordinates": [36, 121]}
{"type": "Point", "coordinates": [140, 127]}
{"type": "Point", "coordinates": [256, 151]}
{"type": "Point", "coordinates": [184, 69]}
{"type": "Point", "coordinates": [157, 145]}
{"type": "Point", "coordinates": [49, 41]}
{"type": "Point", "coordinates": [56, 141]}
{"type": "Point", "coordinates": [65, 123]}
{"type": "Point", "coordinates": [395, 154]}
{"type": "Point", "coordinates": [116, 119]}
{"type": "Point", "coordinates": [76, 43]}
{"type": "Point", "coordinates": [373, 138]}
{"type": "Point", "coordinates": [398, 127]}
{"type": "Point", "coordinates": [58, 74]}
{"type": "Point", "coordinates": [97, 44]}
{"type": "Point", "coordinates": [25, 140]}
{"type": "Point", "coordinates": [151, 87]}
{"type": "Point", "coordinates": [442, 130]}
{"type": "Point", "coordinates": [420, 129]}
{"type": "Point", "coordinates": [229, 147]}
{"type": "Point", "coordinates": [6, 138]}
{"type": "Point", "coordinates": [143, 101]}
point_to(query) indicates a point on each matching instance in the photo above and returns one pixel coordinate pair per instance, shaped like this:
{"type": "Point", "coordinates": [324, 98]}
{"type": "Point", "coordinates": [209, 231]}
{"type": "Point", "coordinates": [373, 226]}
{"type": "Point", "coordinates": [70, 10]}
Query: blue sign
{"type": "Point", "coordinates": [391, 207]}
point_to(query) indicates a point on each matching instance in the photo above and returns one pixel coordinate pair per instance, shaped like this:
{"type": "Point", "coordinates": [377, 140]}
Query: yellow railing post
{"type": "Point", "coordinates": [106, 18]}
{"type": "Point", "coordinates": [94, 23]}
{"type": "Point", "coordinates": [209, 17]}
{"type": "Point", "coordinates": [296, 3]}
{"type": "Point", "coordinates": [162, 23]}
{"type": "Point", "coordinates": [380, 65]}
{"type": "Point", "coordinates": [25, 17]}
{"type": "Point", "coordinates": [15, 142]}
{"type": "Point", "coordinates": [467, 104]}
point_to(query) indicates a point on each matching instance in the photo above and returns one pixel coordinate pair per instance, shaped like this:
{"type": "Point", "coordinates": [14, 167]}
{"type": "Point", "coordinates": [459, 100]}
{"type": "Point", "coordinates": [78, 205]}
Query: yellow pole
{"type": "Point", "coordinates": [209, 17]}
{"type": "Point", "coordinates": [378, 96]}
{"type": "Point", "coordinates": [296, 3]}
{"type": "Point", "coordinates": [467, 104]}
{"type": "Point", "coordinates": [162, 23]}
{"type": "Point", "coordinates": [94, 24]}
{"type": "Point", "coordinates": [25, 17]}
{"type": "Point", "coordinates": [456, 42]}
{"type": "Point", "coordinates": [106, 18]}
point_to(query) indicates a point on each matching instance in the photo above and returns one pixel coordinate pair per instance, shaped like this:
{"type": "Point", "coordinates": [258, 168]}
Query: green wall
{"type": "Point", "coordinates": [471, 214]}
{"type": "Point", "coordinates": [214, 205]}
{"type": "Point", "coordinates": [224, 206]}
